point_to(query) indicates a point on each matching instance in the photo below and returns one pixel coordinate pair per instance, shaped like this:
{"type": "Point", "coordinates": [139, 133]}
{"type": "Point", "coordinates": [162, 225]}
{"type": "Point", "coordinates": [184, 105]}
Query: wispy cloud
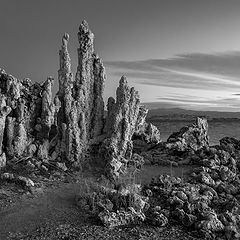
{"type": "Point", "coordinates": [232, 103]}
{"type": "Point", "coordinates": [199, 73]}
{"type": "Point", "coordinates": [190, 70]}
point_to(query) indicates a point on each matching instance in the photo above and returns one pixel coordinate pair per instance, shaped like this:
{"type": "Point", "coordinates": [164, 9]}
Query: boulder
{"type": "Point", "coordinates": [3, 160]}
{"type": "Point", "coordinates": [159, 219]}
{"type": "Point", "coordinates": [192, 137]}
{"type": "Point", "coordinates": [211, 225]}
{"type": "Point", "coordinates": [230, 144]}
{"type": "Point", "coordinates": [120, 218]}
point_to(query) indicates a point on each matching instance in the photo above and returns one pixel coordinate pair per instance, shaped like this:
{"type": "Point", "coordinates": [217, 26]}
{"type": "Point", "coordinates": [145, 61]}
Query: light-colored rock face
{"type": "Point", "coordinates": [3, 160]}
{"type": "Point", "coordinates": [89, 83]}
{"type": "Point", "coordinates": [34, 124]}
{"type": "Point", "coordinates": [143, 111]}
{"type": "Point", "coordinates": [82, 99]}
{"type": "Point", "coordinates": [85, 39]}
{"type": "Point", "coordinates": [192, 137]}
{"type": "Point", "coordinates": [145, 134]}
{"type": "Point", "coordinates": [27, 113]}
{"type": "Point", "coordinates": [120, 125]}
{"type": "Point", "coordinates": [4, 111]}
{"type": "Point", "coordinates": [48, 109]}
{"type": "Point", "coordinates": [64, 72]}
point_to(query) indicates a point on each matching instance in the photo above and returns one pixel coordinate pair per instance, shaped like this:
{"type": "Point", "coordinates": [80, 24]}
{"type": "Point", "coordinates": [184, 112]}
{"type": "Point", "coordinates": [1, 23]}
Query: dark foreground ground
{"type": "Point", "coordinates": [51, 212]}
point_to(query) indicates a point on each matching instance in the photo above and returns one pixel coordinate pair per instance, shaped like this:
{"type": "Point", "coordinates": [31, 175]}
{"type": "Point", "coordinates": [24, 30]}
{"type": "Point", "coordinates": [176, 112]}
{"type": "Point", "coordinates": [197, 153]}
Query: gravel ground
{"type": "Point", "coordinates": [50, 212]}
{"type": "Point", "coordinates": [92, 232]}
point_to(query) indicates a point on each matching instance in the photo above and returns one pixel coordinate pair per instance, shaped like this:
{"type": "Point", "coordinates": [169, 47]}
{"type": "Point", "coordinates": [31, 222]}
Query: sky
{"type": "Point", "coordinates": [179, 53]}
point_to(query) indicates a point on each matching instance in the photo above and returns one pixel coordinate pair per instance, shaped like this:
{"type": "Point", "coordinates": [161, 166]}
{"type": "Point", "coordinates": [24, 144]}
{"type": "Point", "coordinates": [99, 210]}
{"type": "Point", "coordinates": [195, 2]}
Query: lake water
{"type": "Point", "coordinates": [217, 129]}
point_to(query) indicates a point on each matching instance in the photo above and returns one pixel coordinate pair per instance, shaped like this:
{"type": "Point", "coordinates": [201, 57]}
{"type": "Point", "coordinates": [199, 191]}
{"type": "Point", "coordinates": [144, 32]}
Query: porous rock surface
{"type": "Point", "coordinates": [146, 134]}
{"type": "Point", "coordinates": [122, 116]}
{"type": "Point", "coordinates": [82, 107]}
{"type": "Point", "coordinates": [63, 128]}
{"type": "Point", "coordinates": [192, 137]}
{"type": "Point", "coordinates": [117, 206]}
{"type": "Point", "coordinates": [207, 201]}
{"type": "Point", "coordinates": [39, 129]}
{"type": "Point", "coordinates": [181, 147]}
{"type": "Point", "coordinates": [26, 115]}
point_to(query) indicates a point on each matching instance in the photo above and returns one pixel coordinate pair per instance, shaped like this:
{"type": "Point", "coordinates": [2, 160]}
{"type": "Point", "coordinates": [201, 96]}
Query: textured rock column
{"type": "Point", "coordinates": [64, 72]}
{"type": "Point", "coordinates": [4, 111]}
{"type": "Point", "coordinates": [120, 125]}
{"type": "Point", "coordinates": [89, 84]}
{"type": "Point", "coordinates": [97, 113]}
{"type": "Point", "coordinates": [47, 104]}
{"type": "Point", "coordinates": [82, 106]}
{"type": "Point", "coordinates": [47, 118]}
{"type": "Point", "coordinates": [20, 140]}
{"type": "Point", "coordinates": [64, 95]}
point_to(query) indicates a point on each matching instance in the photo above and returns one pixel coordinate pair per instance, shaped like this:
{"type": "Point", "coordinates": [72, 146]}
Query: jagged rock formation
{"type": "Point", "coordinates": [120, 125]}
{"type": "Point", "coordinates": [207, 201]}
{"type": "Point", "coordinates": [191, 137]}
{"type": "Point", "coordinates": [146, 134]}
{"type": "Point", "coordinates": [32, 126]}
{"type": "Point", "coordinates": [26, 116]}
{"type": "Point", "coordinates": [82, 107]}
{"type": "Point", "coordinates": [64, 129]}
{"type": "Point", "coordinates": [116, 207]}
{"type": "Point", "coordinates": [181, 147]}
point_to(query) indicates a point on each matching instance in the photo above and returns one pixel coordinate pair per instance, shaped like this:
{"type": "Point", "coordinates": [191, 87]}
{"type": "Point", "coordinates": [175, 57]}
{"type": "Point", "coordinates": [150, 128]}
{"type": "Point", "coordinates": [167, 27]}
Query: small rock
{"type": "Point", "coordinates": [3, 161]}
{"type": "Point", "coordinates": [27, 181]}
{"type": "Point", "coordinates": [62, 166]}
{"type": "Point", "coordinates": [159, 219]}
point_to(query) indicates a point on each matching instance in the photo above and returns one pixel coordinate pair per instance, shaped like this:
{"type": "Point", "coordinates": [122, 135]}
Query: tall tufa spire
{"type": "Point", "coordinates": [64, 72]}
{"type": "Point", "coordinates": [85, 38]}
{"type": "Point", "coordinates": [82, 106]}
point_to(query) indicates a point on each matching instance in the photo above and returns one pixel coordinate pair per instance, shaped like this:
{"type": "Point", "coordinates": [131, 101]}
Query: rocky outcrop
{"type": "Point", "coordinates": [24, 181]}
{"type": "Point", "coordinates": [116, 207]}
{"type": "Point", "coordinates": [146, 134]}
{"type": "Point", "coordinates": [181, 147]}
{"type": "Point", "coordinates": [65, 99]}
{"type": "Point", "coordinates": [230, 145]}
{"type": "Point", "coordinates": [144, 130]}
{"type": "Point", "coordinates": [192, 137]}
{"type": "Point", "coordinates": [82, 107]}
{"type": "Point", "coordinates": [43, 133]}
{"type": "Point", "coordinates": [208, 200]}
{"type": "Point", "coordinates": [4, 111]}
{"type": "Point", "coordinates": [26, 113]}
{"type": "Point", "coordinates": [89, 84]}
{"type": "Point", "coordinates": [121, 121]}
{"type": "Point", "coordinates": [120, 218]}
{"type": "Point", "coordinates": [48, 109]}
{"type": "Point", "coordinates": [65, 129]}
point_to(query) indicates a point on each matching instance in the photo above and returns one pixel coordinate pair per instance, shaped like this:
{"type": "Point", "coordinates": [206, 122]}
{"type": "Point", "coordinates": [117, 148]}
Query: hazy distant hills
{"type": "Point", "coordinates": [178, 114]}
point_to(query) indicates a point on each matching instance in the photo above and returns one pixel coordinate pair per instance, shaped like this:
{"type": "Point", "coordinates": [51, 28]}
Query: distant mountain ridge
{"type": "Point", "coordinates": [183, 114]}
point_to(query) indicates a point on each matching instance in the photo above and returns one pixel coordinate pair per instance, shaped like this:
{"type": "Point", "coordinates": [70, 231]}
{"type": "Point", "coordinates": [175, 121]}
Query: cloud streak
{"type": "Point", "coordinates": [199, 73]}
{"type": "Point", "coordinates": [190, 70]}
